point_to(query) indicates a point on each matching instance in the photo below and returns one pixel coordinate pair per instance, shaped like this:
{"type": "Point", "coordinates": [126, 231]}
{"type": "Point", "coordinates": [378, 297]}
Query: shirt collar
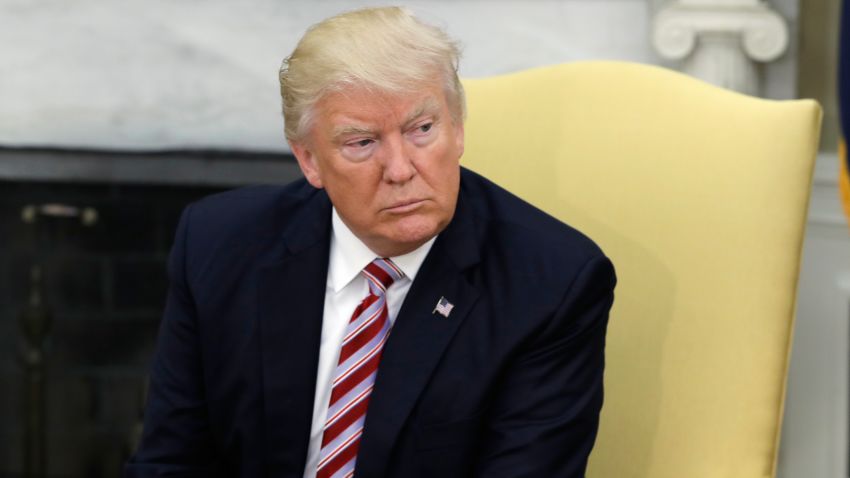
{"type": "Point", "coordinates": [349, 256]}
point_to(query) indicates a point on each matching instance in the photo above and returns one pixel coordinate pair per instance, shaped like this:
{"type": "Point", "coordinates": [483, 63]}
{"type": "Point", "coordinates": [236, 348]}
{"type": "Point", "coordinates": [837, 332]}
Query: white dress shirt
{"type": "Point", "coordinates": [346, 288]}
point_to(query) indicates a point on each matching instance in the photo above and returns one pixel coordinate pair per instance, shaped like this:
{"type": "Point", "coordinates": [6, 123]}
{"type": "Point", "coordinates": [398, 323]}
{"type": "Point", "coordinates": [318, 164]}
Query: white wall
{"type": "Point", "coordinates": [149, 74]}
{"type": "Point", "coordinates": [814, 439]}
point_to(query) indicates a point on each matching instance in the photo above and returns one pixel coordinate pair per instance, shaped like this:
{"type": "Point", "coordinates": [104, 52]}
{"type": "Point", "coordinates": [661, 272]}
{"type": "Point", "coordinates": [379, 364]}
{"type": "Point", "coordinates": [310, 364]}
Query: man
{"type": "Point", "coordinates": [391, 315]}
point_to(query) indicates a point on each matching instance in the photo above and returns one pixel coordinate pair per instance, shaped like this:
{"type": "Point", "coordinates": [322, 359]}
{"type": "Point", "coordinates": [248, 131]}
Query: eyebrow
{"type": "Point", "coordinates": [428, 106]}
{"type": "Point", "coordinates": [349, 130]}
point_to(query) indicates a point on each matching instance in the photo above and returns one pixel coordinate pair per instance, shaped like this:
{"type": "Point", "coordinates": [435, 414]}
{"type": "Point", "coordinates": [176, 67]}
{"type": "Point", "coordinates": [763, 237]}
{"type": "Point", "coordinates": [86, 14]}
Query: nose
{"type": "Point", "coordinates": [398, 163]}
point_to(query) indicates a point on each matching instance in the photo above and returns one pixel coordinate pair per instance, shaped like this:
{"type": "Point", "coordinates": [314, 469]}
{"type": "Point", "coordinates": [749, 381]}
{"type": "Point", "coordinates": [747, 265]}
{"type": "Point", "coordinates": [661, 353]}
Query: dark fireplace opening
{"type": "Point", "coordinates": [82, 289]}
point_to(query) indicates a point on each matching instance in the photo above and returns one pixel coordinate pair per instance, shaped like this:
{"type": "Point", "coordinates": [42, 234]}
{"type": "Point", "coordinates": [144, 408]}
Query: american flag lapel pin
{"type": "Point", "coordinates": [443, 307]}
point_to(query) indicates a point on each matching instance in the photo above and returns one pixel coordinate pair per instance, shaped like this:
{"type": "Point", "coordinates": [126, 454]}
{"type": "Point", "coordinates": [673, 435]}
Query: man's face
{"type": "Point", "coordinates": [389, 163]}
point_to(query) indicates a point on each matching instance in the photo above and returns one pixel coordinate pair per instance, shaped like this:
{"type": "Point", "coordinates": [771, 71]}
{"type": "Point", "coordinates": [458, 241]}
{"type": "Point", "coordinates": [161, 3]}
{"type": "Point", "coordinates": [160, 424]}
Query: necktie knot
{"type": "Point", "coordinates": [380, 274]}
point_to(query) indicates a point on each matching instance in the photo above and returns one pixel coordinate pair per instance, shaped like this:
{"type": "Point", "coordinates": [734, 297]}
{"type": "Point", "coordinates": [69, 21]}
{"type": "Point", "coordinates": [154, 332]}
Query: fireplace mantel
{"type": "Point", "coordinates": [173, 167]}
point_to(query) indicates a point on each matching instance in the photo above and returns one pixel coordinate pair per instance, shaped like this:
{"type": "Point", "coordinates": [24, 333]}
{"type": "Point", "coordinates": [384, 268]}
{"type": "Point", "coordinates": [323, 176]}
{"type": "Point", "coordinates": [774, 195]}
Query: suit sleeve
{"type": "Point", "coordinates": [176, 440]}
{"type": "Point", "coordinates": [545, 412]}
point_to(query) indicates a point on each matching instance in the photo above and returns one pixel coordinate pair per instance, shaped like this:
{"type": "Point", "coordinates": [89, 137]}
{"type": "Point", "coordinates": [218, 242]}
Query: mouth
{"type": "Point", "coordinates": [403, 207]}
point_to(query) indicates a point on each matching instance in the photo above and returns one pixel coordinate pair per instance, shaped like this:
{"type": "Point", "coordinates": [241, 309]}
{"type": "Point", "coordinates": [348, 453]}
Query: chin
{"type": "Point", "coordinates": [419, 229]}
{"type": "Point", "coordinates": [408, 235]}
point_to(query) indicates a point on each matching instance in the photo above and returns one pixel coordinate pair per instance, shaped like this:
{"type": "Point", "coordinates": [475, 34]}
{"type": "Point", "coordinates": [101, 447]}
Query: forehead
{"type": "Point", "coordinates": [370, 106]}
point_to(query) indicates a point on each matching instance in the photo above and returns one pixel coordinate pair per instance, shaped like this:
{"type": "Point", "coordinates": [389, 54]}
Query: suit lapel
{"type": "Point", "coordinates": [291, 300]}
{"type": "Point", "coordinates": [418, 339]}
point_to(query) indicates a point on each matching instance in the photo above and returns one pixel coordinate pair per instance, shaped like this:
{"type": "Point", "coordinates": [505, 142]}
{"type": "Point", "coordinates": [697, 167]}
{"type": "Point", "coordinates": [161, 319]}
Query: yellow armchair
{"type": "Point", "coordinates": [699, 196]}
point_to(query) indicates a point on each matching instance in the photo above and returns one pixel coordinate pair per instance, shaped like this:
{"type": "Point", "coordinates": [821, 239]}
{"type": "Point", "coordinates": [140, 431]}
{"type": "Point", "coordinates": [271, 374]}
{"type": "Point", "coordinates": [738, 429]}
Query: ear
{"type": "Point", "coordinates": [307, 162]}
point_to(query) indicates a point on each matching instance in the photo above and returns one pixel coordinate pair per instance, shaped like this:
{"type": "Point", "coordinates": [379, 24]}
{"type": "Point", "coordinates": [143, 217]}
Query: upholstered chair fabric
{"type": "Point", "coordinates": [699, 196]}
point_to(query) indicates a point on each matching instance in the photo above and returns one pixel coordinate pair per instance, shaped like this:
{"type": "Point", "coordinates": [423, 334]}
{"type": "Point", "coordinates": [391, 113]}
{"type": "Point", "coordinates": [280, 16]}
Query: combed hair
{"type": "Point", "coordinates": [386, 48]}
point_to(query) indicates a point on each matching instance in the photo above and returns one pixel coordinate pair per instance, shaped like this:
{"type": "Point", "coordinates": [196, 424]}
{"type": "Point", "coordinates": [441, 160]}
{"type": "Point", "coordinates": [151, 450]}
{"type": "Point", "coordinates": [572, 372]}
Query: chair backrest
{"type": "Point", "coordinates": [699, 196]}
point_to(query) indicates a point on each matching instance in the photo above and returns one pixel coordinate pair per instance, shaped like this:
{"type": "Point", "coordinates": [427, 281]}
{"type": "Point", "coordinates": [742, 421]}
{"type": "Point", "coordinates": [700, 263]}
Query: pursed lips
{"type": "Point", "coordinates": [404, 206]}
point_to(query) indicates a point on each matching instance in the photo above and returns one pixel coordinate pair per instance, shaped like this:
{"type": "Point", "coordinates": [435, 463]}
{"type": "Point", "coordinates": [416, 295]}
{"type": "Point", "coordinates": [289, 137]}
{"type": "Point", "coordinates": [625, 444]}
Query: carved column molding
{"type": "Point", "coordinates": [720, 41]}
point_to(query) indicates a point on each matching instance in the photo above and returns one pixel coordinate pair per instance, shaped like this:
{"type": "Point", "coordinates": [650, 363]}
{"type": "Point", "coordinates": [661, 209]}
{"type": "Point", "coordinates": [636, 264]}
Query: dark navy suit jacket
{"type": "Point", "coordinates": [508, 385]}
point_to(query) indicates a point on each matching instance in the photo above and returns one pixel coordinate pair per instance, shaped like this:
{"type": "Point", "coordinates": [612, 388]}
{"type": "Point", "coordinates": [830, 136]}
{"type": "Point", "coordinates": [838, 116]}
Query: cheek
{"type": "Point", "coordinates": [357, 186]}
{"type": "Point", "coordinates": [438, 158]}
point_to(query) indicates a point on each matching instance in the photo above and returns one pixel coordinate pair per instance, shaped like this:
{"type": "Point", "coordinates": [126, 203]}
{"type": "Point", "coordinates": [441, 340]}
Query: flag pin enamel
{"type": "Point", "coordinates": [443, 307]}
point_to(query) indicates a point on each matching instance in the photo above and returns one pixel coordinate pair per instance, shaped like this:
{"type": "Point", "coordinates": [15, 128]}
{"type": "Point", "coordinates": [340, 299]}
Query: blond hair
{"type": "Point", "coordinates": [387, 49]}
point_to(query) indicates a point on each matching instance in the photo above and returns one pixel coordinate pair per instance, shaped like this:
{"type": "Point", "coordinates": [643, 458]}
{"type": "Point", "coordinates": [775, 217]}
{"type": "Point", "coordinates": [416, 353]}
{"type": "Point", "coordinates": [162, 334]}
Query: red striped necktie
{"type": "Point", "coordinates": [355, 374]}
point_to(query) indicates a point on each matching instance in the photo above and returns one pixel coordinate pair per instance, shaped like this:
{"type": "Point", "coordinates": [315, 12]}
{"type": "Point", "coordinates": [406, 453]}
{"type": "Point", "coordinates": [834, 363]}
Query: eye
{"type": "Point", "coordinates": [423, 133]}
{"type": "Point", "coordinates": [358, 149]}
{"type": "Point", "coordinates": [362, 143]}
